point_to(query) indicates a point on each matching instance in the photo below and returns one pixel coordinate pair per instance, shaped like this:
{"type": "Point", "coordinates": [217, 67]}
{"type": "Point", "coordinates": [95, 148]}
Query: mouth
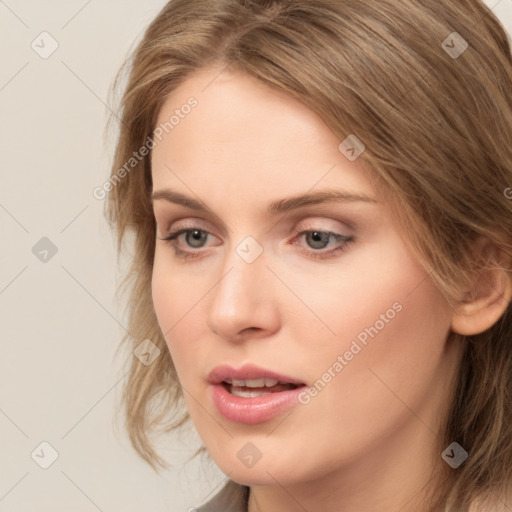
{"type": "Point", "coordinates": [251, 394]}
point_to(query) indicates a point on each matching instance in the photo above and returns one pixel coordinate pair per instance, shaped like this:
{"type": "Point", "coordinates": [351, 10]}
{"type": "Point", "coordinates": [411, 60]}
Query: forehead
{"type": "Point", "coordinates": [244, 137]}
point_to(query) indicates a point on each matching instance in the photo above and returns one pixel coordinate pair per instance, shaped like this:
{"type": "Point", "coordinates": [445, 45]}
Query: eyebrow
{"type": "Point", "coordinates": [276, 207]}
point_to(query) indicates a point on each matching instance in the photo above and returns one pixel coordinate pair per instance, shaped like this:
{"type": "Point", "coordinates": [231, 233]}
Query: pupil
{"type": "Point", "coordinates": [318, 240]}
{"type": "Point", "coordinates": [196, 238]}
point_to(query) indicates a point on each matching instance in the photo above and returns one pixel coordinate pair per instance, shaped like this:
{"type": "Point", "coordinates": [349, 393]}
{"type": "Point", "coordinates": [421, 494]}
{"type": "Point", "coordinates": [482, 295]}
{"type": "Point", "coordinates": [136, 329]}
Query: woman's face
{"type": "Point", "coordinates": [306, 337]}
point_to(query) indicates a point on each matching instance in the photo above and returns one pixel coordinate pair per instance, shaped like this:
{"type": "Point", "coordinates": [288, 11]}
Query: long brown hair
{"type": "Point", "coordinates": [427, 86]}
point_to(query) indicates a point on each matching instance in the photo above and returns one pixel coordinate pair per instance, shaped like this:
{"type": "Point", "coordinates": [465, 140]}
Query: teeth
{"type": "Point", "coordinates": [252, 383]}
{"type": "Point", "coordinates": [248, 394]}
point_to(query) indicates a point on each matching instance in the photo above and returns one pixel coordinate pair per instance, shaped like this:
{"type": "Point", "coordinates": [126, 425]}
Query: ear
{"type": "Point", "coordinates": [489, 296]}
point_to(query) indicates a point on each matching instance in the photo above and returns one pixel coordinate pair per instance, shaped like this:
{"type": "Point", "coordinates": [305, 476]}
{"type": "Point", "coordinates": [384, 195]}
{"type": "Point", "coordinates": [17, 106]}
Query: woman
{"type": "Point", "coordinates": [319, 195]}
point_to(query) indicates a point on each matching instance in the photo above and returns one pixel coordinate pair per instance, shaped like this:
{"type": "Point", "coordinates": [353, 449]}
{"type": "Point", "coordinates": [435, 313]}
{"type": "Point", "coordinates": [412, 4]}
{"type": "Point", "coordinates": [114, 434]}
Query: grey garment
{"type": "Point", "coordinates": [232, 497]}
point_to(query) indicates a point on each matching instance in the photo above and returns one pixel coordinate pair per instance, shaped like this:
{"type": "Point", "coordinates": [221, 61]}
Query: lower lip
{"type": "Point", "coordinates": [253, 410]}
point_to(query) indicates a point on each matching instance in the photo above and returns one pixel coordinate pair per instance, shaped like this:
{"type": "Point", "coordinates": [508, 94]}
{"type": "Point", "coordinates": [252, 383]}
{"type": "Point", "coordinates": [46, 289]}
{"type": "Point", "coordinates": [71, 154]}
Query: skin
{"type": "Point", "coordinates": [366, 442]}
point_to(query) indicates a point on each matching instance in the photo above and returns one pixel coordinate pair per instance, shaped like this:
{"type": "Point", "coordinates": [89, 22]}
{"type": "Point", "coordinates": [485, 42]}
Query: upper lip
{"type": "Point", "coordinates": [248, 372]}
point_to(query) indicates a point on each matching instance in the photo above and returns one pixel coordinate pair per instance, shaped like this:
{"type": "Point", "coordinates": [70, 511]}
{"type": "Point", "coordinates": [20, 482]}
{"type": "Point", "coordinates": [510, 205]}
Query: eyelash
{"type": "Point", "coordinates": [344, 241]}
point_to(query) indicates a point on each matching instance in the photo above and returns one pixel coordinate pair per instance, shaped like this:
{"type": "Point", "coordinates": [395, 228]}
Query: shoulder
{"type": "Point", "coordinates": [231, 498]}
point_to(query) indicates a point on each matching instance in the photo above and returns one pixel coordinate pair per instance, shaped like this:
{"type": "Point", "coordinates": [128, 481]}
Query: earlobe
{"type": "Point", "coordinates": [489, 297]}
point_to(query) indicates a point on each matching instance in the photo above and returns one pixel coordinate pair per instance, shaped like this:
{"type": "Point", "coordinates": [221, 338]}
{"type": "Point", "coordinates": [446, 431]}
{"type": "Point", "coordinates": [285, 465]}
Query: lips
{"type": "Point", "coordinates": [251, 381]}
{"type": "Point", "coordinates": [248, 373]}
{"type": "Point", "coordinates": [251, 394]}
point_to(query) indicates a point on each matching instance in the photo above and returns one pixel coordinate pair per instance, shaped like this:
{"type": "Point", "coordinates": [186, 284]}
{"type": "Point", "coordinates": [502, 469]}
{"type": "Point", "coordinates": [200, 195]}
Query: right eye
{"type": "Point", "coordinates": [186, 241]}
{"type": "Point", "coordinates": [195, 238]}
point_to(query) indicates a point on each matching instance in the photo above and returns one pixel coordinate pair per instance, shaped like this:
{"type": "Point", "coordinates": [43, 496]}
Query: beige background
{"type": "Point", "coordinates": [60, 322]}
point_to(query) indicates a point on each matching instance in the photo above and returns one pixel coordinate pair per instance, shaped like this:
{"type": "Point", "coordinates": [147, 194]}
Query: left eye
{"type": "Point", "coordinates": [318, 239]}
{"type": "Point", "coordinates": [195, 238]}
{"type": "Point", "coordinates": [321, 239]}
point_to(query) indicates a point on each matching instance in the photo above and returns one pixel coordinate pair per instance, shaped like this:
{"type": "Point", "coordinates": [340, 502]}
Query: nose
{"type": "Point", "coordinates": [243, 304]}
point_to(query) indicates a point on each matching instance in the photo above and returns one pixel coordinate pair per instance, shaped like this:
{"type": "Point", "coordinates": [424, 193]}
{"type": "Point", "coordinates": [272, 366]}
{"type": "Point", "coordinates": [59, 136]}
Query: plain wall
{"type": "Point", "coordinates": [59, 318]}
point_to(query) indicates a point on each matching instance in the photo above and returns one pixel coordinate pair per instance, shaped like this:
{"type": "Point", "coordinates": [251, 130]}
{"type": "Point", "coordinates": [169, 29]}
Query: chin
{"type": "Point", "coordinates": [261, 466]}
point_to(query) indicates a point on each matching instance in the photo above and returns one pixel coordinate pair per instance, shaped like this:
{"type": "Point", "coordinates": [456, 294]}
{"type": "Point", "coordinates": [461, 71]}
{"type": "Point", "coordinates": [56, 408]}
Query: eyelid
{"type": "Point", "coordinates": [322, 214]}
{"type": "Point", "coordinates": [170, 215]}
{"type": "Point", "coordinates": [182, 223]}
{"type": "Point", "coordinates": [318, 223]}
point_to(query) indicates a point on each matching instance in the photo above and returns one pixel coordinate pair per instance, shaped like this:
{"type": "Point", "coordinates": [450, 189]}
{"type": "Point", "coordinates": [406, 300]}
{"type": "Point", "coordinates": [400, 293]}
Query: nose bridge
{"type": "Point", "coordinates": [240, 281]}
{"type": "Point", "coordinates": [240, 300]}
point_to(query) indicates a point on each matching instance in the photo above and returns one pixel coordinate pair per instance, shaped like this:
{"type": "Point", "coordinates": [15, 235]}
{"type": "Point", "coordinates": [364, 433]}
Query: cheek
{"type": "Point", "coordinates": [410, 350]}
{"type": "Point", "coordinates": [381, 312]}
{"type": "Point", "coordinates": [390, 333]}
{"type": "Point", "coordinates": [177, 302]}
{"type": "Point", "coordinates": [377, 292]}
{"type": "Point", "coordinates": [164, 288]}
